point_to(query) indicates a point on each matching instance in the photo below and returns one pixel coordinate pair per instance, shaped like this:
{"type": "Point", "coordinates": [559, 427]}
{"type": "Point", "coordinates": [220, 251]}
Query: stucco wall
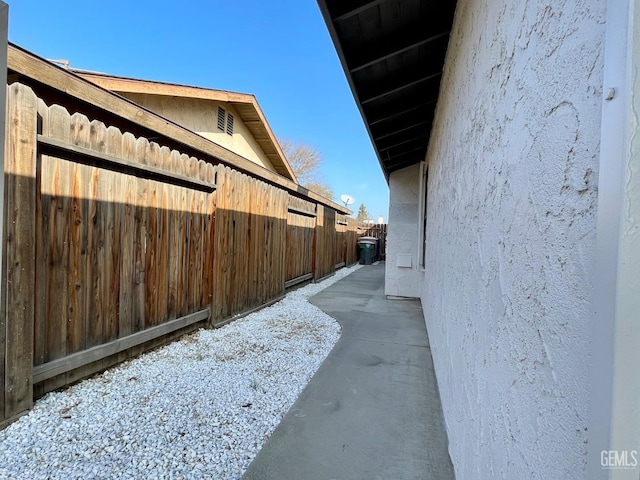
{"type": "Point", "coordinates": [512, 198]}
{"type": "Point", "coordinates": [402, 233]}
{"type": "Point", "coordinates": [201, 116]}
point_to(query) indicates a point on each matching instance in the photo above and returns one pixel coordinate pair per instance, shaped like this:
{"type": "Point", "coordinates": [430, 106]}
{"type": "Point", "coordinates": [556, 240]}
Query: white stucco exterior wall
{"type": "Point", "coordinates": [511, 222]}
{"type": "Point", "coordinates": [201, 116]}
{"type": "Point", "coordinates": [402, 234]}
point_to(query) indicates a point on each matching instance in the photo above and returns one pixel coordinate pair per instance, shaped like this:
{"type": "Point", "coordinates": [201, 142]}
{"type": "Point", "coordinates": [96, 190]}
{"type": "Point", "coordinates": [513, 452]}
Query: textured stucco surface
{"type": "Point", "coordinates": [201, 116]}
{"type": "Point", "coordinates": [512, 195]}
{"type": "Point", "coordinates": [402, 233]}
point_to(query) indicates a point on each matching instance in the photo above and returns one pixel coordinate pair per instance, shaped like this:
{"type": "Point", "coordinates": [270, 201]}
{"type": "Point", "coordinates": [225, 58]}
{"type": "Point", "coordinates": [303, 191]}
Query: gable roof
{"type": "Point", "coordinates": [392, 53]}
{"type": "Point", "coordinates": [245, 105]}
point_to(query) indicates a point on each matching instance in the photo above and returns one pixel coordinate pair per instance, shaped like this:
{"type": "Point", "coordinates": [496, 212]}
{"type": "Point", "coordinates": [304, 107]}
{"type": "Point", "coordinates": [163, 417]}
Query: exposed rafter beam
{"type": "Point", "coordinates": [399, 113]}
{"type": "Point", "coordinates": [404, 164]}
{"type": "Point", "coordinates": [356, 11]}
{"type": "Point", "coordinates": [392, 160]}
{"type": "Point", "coordinates": [395, 132]}
{"type": "Point", "coordinates": [397, 144]}
{"type": "Point", "coordinates": [397, 51]}
{"type": "Point", "coordinates": [417, 157]}
{"type": "Point", "coordinates": [391, 91]}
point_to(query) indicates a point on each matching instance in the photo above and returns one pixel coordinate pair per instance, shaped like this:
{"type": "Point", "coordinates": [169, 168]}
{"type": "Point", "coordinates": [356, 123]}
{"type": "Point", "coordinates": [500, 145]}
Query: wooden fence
{"type": "Point", "coordinates": [115, 244]}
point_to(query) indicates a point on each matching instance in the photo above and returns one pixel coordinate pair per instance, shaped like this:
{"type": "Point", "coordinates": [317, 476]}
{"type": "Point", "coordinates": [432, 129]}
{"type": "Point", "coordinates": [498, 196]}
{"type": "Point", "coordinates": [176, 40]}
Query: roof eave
{"type": "Point", "coordinates": [139, 86]}
{"type": "Point", "coordinates": [343, 62]}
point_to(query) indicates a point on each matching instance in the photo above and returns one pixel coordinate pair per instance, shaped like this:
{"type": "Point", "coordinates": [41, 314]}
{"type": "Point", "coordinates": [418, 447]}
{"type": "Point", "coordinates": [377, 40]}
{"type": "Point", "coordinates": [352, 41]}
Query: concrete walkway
{"type": "Point", "coordinates": [372, 411]}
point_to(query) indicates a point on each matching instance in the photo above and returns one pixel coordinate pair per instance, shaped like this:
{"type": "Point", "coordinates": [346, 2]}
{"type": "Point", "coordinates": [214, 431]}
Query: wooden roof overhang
{"type": "Point", "coordinates": [393, 53]}
{"type": "Point", "coordinates": [245, 104]}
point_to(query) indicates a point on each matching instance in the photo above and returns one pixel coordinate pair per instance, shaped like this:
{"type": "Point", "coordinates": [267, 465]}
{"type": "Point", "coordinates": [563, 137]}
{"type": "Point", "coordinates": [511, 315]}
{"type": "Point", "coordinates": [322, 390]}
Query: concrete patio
{"type": "Point", "coordinates": [372, 411]}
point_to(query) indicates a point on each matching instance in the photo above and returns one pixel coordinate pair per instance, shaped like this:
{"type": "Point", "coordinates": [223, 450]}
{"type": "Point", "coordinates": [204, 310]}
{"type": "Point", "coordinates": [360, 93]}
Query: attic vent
{"type": "Point", "coordinates": [229, 124]}
{"type": "Point", "coordinates": [221, 118]}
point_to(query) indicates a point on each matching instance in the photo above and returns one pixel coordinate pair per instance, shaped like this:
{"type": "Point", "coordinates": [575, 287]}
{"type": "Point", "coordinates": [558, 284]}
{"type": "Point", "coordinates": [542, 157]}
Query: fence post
{"type": "Point", "coordinates": [4, 13]}
{"type": "Point", "coordinates": [19, 268]}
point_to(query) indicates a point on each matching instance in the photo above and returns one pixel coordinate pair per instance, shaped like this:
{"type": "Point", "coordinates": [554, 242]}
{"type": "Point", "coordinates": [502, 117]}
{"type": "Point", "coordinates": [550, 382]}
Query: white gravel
{"type": "Point", "coordinates": [201, 407]}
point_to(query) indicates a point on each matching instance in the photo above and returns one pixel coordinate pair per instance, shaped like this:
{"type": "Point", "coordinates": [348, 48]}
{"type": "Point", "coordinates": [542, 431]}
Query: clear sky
{"type": "Point", "coordinates": [280, 51]}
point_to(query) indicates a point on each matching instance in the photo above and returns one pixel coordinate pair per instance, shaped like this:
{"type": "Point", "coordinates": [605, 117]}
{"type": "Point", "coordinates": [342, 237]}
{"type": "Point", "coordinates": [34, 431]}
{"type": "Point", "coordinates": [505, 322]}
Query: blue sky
{"type": "Point", "coordinates": [279, 51]}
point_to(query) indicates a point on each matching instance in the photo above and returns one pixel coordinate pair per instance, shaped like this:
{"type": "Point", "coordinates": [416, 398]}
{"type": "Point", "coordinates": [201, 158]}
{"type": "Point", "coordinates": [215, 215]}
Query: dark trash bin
{"type": "Point", "coordinates": [366, 251]}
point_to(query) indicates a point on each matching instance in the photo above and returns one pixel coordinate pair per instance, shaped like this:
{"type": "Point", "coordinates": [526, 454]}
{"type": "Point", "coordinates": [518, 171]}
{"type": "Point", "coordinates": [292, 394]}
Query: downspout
{"type": "Point", "coordinates": [614, 418]}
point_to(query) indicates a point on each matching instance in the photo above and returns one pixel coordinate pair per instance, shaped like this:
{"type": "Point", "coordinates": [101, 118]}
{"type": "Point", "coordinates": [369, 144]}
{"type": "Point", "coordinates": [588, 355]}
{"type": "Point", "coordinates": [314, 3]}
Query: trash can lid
{"type": "Point", "coordinates": [367, 241]}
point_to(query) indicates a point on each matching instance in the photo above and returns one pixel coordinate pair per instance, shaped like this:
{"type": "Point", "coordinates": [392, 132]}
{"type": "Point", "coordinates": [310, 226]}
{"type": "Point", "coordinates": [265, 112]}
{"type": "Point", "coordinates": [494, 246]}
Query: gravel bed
{"type": "Point", "coordinates": [201, 407]}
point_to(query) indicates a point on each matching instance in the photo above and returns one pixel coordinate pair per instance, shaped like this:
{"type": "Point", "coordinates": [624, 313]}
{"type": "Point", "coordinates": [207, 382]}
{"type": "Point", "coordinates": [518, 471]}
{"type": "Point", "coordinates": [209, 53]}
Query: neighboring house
{"type": "Point", "coordinates": [508, 135]}
{"type": "Point", "coordinates": [232, 120]}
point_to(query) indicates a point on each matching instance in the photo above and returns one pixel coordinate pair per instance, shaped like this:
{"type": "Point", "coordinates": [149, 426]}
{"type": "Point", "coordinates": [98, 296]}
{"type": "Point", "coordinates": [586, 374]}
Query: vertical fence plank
{"type": "Point", "coordinates": [244, 260]}
{"type": "Point", "coordinates": [231, 302]}
{"type": "Point", "coordinates": [43, 207]}
{"type": "Point", "coordinates": [185, 228]}
{"type": "Point", "coordinates": [352, 238]}
{"type": "Point", "coordinates": [256, 196]}
{"type": "Point", "coordinates": [192, 234]}
{"type": "Point", "coordinates": [97, 273]}
{"type": "Point", "coordinates": [59, 126]}
{"type": "Point", "coordinates": [202, 209]}
{"type": "Point", "coordinates": [318, 244]}
{"type": "Point", "coordinates": [164, 162]}
{"type": "Point", "coordinates": [152, 153]}
{"type": "Point", "coordinates": [175, 240]}
{"type": "Point", "coordinates": [228, 300]}
{"type": "Point", "coordinates": [260, 248]}
{"type": "Point", "coordinates": [195, 261]}
{"type": "Point", "coordinates": [209, 212]}
{"type": "Point", "coordinates": [202, 197]}
{"type": "Point", "coordinates": [128, 241]}
{"type": "Point", "coordinates": [241, 231]}
{"type": "Point", "coordinates": [217, 245]}
{"type": "Point", "coordinates": [20, 231]}
{"type": "Point", "coordinates": [140, 240]}
{"type": "Point", "coordinates": [221, 254]}
{"type": "Point", "coordinates": [113, 233]}
{"type": "Point", "coordinates": [212, 232]}
{"type": "Point", "coordinates": [282, 237]}
{"type": "Point", "coordinates": [78, 238]}
{"type": "Point", "coordinates": [43, 210]}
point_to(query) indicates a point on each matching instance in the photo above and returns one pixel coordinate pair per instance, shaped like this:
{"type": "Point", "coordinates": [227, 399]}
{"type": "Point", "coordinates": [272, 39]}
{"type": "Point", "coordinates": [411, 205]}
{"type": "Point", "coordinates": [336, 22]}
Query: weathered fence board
{"type": "Point", "coordinates": [43, 213]}
{"type": "Point", "coordinates": [113, 237]}
{"type": "Point", "coordinates": [86, 357]}
{"type": "Point", "coordinates": [20, 233]}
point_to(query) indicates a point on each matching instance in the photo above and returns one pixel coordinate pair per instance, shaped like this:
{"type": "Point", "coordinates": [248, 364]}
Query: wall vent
{"type": "Point", "coordinates": [229, 124]}
{"type": "Point", "coordinates": [221, 118]}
